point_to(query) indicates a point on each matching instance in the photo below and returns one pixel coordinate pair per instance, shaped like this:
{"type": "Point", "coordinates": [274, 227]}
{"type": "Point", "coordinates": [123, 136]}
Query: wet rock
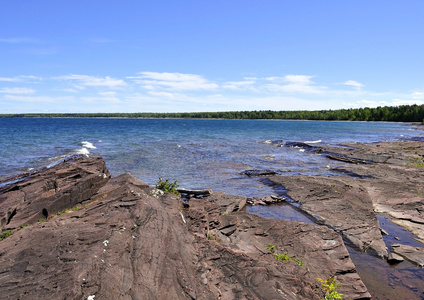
{"type": "Point", "coordinates": [394, 258]}
{"type": "Point", "coordinates": [252, 173]}
{"type": "Point", "coordinates": [299, 145]}
{"type": "Point", "coordinates": [413, 254]}
{"type": "Point", "coordinates": [394, 179]}
{"type": "Point", "coordinates": [265, 200]}
{"type": "Point", "coordinates": [345, 207]}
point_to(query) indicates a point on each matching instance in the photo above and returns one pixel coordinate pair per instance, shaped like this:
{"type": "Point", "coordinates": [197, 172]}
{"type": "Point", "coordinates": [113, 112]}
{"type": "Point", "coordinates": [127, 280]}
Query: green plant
{"type": "Point", "coordinates": [270, 248]}
{"type": "Point", "coordinates": [5, 235]}
{"type": "Point", "coordinates": [170, 187]}
{"type": "Point", "coordinates": [283, 256]}
{"type": "Point", "coordinates": [418, 164]}
{"type": "Point", "coordinates": [23, 225]}
{"type": "Point", "coordinates": [329, 287]}
{"type": "Point", "coordinates": [42, 220]}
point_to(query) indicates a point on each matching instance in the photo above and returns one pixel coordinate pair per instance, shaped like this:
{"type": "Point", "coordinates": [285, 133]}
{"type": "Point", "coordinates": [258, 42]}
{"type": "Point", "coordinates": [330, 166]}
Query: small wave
{"type": "Point", "coordinates": [267, 142]}
{"type": "Point", "coordinates": [83, 151]}
{"type": "Point", "coordinates": [88, 145]}
{"type": "Point", "coordinates": [313, 142]}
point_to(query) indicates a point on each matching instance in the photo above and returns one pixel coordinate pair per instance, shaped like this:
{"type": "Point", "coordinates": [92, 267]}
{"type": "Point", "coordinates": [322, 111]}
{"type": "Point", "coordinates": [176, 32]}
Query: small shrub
{"type": "Point", "coordinates": [42, 220]}
{"type": "Point", "coordinates": [270, 248]}
{"type": "Point", "coordinates": [5, 235]}
{"type": "Point", "coordinates": [170, 187]}
{"type": "Point", "coordinates": [22, 226]}
{"type": "Point", "coordinates": [283, 256]}
{"type": "Point", "coordinates": [418, 164]}
{"type": "Point", "coordinates": [329, 287]}
{"type": "Point", "coordinates": [76, 208]}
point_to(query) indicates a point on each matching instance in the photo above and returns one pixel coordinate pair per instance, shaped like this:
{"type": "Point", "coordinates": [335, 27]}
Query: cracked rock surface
{"type": "Point", "coordinates": [120, 239]}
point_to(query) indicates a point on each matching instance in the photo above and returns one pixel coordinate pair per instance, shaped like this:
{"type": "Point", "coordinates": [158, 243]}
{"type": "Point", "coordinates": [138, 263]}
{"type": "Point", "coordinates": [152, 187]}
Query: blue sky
{"type": "Point", "coordinates": [204, 55]}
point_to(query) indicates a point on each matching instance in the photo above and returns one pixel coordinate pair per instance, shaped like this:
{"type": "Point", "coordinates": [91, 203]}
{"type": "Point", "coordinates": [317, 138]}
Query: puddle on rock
{"type": "Point", "coordinates": [281, 211]}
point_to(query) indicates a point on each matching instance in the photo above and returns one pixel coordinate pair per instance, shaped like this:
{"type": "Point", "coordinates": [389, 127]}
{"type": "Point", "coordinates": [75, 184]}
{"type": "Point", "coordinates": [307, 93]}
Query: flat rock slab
{"type": "Point", "coordinates": [394, 179]}
{"type": "Point", "coordinates": [332, 201]}
{"type": "Point", "coordinates": [413, 254]}
{"type": "Point", "coordinates": [52, 190]}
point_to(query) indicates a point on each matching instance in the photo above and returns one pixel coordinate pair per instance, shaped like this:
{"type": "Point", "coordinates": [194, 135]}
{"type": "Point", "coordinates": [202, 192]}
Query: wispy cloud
{"type": "Point", "coordinates": [177, 81]}
{"type": "Point", "coordinates": [239, 85]}
{"type": "Point", "coordinates": [20, 78]}
{"type": "Point", "coordinates": [293, 84]}
{"type": "Point", "coordinates": [38, 99]}
{"type": "Point", "coordinates": [91, 81]}
{"type": "Point", "coordinates": [19, 40]}
{"type": "Point", "coordinates": [17, 91]}
{"type": "Point", "coordinates": [354, 84]}
{"type": "Point", "coordinates": [168, 92]}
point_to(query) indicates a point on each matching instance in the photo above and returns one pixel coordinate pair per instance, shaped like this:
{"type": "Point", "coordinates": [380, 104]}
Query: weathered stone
{"type": "Point", "coordinates": [45, 193]}
{"type": "Point", "coordinates": [394, 258]}
{"type": "Point", "coordinates": [251, 173]}
{"type": "Point", "coordinates": [413, 254]}
{"type": "Point", "coordinates": [320, 249]}
{"type": "Point", "coordinates": [125, 242]}
{"type": "Point", "coordinates": [346, 208]}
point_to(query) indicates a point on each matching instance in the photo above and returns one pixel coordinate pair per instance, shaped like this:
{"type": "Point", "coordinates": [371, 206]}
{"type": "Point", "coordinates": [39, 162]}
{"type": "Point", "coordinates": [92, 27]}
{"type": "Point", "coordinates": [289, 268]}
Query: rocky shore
{"type": "Point", "coordinates": [73, 232]}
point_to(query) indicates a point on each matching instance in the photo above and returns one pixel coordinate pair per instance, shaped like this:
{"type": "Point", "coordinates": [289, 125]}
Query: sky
{"type": "Point", "coordinates": [203, 55]}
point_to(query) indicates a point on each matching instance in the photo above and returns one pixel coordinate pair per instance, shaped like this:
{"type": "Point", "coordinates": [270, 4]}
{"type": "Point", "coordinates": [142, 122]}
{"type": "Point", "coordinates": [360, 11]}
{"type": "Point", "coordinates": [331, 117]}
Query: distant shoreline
{"type": "Point", "coordinates": [404, 113]}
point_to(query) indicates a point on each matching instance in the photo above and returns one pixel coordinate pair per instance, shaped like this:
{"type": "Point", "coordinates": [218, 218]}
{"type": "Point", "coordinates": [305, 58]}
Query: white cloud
{"type": "Point", "coordinates": [107, 93]}
{"type": "Point", "coordinates": [20, 40]}
{"type": "Point", "coordinates": [293, 84]}
{"type": "Point", "coordinates": [177, 81]}
{"type": "Point", "coordinates": [369, 103]}
{"type": "Point", "coordinates": [354, 83]}
{"type": "Point", "coordinates": [19, 78]}
{"type": "Point", "coordinates": [398, 102]}
{"type": "Point", "coordinates": [164, 94]}
{"type": "Point", "coordinates": [101, 100]}
{"type": "Point", "coordinates": [294, 79]}
{"type": "Point", "coordinates": [10, 79]}
{"type": "Point", "coordinates": [238, 85]}
{"type": "Point", "coordinates": [91, 81]}
{"type": "Point", "coordinates": [418, 95]}
{"type": "Point", "coordinates": [17, 91]}
{"type": "Point", "coordinates": [39, 99]}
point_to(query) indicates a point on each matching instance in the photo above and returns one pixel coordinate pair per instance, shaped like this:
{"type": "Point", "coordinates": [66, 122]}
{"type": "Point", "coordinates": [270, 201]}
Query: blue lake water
{"type": "Point", "coordinates": [198, 153]}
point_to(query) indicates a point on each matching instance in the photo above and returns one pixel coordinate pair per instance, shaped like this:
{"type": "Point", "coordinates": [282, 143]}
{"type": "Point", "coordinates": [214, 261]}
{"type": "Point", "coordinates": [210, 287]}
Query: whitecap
{"type": "Point", "coordinates": [313, 142]}
{"type": "Point", "coordinates": [267, 142]}
{"type": "Point", "coordinates": [88, 145]}
{"type": "Point", "coordinates": [83, 151]}
{"type": "Point", "coordinates": [302, 150]}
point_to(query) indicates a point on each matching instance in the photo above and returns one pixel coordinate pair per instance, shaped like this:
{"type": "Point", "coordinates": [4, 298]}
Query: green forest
{"type": "Point", "coordinates": [403, 113]}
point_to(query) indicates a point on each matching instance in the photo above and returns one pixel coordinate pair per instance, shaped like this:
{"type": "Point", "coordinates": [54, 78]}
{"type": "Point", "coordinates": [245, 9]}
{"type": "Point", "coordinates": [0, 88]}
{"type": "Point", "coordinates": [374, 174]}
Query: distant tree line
{"type": "Point", "coordinates": [403, 113]}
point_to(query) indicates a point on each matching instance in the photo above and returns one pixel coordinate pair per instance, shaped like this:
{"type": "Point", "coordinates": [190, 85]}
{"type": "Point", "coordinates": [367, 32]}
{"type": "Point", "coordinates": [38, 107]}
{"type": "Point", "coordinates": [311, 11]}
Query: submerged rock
{"type": "Point", "coordinates": [251, 173]}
